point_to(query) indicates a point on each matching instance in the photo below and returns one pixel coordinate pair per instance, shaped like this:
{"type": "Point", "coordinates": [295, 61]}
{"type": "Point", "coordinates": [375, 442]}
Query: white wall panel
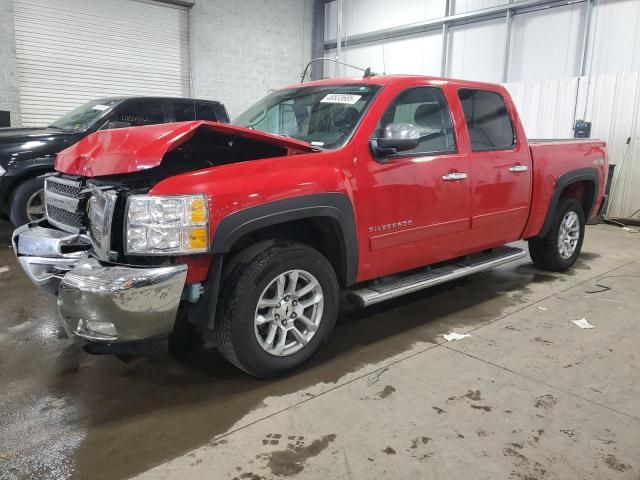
{"type": "Point", "coordinates": [419, 55]}
{"type": "Point", "coordinates": [361, 16]}
{"type": "Point", "coordinates": [535, 54]}
{"type": "Point", "coordinates": [462, 6]}
{"type": "Point", "coordinates": [476, 51]}
{"type": "Point", "coordinates": [613, 105]}
{"type": "Point", "coordinates": [546, 108]}
{"type": "Point", "coordinates": [615, 46]}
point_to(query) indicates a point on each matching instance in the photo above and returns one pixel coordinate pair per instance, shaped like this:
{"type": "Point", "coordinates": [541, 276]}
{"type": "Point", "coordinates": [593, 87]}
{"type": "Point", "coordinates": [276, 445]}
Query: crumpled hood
{"type": "Point", "coordinates": [127, 150]}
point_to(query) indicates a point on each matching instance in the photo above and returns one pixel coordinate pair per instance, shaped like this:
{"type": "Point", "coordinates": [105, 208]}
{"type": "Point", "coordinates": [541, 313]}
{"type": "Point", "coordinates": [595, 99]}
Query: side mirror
{"type": "Point", "coordinates": [116, 124]}
{"type": "Point", "coordinates": [397, 137]}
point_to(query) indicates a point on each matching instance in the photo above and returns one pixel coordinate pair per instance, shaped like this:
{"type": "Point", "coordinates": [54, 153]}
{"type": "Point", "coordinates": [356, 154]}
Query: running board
{"type": "Point", "coordinates": [431, 276]}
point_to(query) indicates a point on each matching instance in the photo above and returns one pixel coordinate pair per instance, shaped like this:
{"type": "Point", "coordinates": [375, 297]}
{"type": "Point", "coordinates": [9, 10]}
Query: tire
{"type": "Point", "coordinates": [22, 197]}
{"type": "Point", "coordinates": [253, 276]}
{"type": "Point", "coordinates": [547, 252]}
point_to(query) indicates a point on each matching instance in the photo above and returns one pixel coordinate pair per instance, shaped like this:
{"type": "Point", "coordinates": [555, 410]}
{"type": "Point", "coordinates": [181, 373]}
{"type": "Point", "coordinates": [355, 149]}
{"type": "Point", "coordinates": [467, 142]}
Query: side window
{"type": "Point", "coordinates": [183, 110]}
{"type": "Point", "coordinates": [141, 112]}
{"type": "Point", "coordinates": [207, 111]}
{"type": "Point", "coordinates": [487, 119]}
{"type": "Point", "coordinates": [426, 108]}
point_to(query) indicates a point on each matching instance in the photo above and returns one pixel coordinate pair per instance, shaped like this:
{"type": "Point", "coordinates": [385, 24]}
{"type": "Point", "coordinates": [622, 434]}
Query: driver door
{"type": "Point", "coordinates": [413, 206]}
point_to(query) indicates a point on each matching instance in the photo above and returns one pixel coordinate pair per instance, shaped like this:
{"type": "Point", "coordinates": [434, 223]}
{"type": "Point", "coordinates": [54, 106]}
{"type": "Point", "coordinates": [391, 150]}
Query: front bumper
{"type": "Point", "coordinates": [98, 301]}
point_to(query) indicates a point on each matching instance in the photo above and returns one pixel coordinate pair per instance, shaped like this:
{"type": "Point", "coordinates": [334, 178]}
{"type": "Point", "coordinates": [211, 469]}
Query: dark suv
{"type": "Point", "coordinates": [27, 153]}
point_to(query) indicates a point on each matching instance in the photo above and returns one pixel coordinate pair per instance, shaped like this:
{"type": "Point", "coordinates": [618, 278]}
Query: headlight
{"type": "Point", "coordinates": [167, 225]}
{"type": "Point", "coordinates": [2, 171]}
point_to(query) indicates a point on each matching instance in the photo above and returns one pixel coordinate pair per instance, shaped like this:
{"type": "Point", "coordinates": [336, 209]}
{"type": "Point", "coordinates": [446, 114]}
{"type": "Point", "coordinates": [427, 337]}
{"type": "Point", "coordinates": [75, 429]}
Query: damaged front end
{"type": "Point", "coordinates": [116, 287]}
{"type": "Point", "coordinates": [69, 255]}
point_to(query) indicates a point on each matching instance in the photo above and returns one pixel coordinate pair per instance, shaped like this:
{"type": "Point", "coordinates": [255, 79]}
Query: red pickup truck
{"type": "Point", "coordinates": [248, 232]}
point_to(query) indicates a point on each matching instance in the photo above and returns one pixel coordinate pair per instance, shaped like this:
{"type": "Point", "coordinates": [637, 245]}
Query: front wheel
{"type": "Point", "coordinates": [279, 307]}
{"type": "Point", "coordinates": [560, 248]}
{"type": "Point", "coordinates": [27, 202]}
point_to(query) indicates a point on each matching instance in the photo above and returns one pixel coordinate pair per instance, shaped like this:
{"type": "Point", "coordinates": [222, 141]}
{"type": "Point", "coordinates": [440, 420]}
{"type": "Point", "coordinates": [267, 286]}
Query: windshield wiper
{"type": "Point", "coordinates": [55, 127]}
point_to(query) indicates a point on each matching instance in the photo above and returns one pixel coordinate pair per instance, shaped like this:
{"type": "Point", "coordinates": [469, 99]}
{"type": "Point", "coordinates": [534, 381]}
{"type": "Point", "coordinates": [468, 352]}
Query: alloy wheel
{"type": "Point", "coordinates": [288, 313]}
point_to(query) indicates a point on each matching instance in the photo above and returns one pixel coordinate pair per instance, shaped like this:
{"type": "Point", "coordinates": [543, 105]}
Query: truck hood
{"type": "Point", "coordinates": [128, 150]}
{"type": "Point", "coordinates": [20, 135]}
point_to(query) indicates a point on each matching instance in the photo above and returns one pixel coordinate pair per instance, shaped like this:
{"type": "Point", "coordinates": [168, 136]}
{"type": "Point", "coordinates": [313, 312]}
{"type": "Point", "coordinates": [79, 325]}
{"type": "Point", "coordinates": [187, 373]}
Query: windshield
{"type": "Point", "coordinates": [83, 116]}
{"type": "Point", "coordinates": [324, 116]}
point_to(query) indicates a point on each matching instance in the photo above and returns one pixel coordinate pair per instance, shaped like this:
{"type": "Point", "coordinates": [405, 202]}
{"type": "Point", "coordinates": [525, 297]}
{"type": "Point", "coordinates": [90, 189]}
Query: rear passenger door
{"type": "Point", "coordinates": [499, 170]}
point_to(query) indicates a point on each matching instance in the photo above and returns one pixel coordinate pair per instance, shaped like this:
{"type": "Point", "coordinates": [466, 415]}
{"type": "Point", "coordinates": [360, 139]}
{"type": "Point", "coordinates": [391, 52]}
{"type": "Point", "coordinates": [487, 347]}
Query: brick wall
{"type": "Point", "coordinates": [240, 50]}
{"type": "Point", "coordinates": [9, 99]}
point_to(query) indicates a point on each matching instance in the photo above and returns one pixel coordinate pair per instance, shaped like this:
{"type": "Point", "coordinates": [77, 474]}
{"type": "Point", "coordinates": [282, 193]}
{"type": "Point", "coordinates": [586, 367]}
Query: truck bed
{"type": "Point", "coordinates": [551, 159]}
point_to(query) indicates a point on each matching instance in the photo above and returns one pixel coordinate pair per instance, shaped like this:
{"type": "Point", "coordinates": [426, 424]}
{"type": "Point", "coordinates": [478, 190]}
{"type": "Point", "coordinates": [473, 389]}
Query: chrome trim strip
{"type": "Point", "coordinates": [103, 247]}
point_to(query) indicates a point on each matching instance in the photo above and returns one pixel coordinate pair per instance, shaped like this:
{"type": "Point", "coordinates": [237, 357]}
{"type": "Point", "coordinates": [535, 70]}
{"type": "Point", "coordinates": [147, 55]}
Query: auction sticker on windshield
{"type": "Point", "coordinates": [345, 98]}
{"type": "Point", "coordinates": [100, 107]}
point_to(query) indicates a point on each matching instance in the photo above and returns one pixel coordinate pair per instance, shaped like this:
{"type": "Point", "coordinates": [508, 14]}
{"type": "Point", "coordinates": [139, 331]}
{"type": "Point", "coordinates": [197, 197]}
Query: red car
{"type": "Point", "coordinates": [248, 232]}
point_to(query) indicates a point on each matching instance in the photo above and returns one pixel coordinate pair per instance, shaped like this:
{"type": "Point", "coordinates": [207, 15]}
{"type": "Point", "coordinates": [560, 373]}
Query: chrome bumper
{"type": "Point", "coordinates": [99, 301]}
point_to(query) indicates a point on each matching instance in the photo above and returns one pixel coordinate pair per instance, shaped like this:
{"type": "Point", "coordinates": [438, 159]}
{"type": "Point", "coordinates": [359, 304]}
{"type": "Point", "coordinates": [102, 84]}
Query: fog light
{"type": "Point", "coordinates": [93, 326]}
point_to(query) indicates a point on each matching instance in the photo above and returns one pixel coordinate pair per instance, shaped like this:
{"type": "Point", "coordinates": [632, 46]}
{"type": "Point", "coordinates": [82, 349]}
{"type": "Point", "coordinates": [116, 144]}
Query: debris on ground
{"type": "Point", "coordinates": [4, 269]}
{"type": "Point", "coordinates": [375, 376]}
{"type": "Point", "coordinates": [582, 323]}
{"type": "Point", "coordinates": [543, 309]}
{"type": "Point", "coordinates": [455, 336]}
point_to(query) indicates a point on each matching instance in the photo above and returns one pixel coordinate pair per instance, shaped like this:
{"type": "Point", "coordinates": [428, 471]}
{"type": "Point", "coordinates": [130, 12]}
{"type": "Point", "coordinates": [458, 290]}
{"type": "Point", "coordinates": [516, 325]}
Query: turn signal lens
{"type": "Point", "coordinates": [197, 238]}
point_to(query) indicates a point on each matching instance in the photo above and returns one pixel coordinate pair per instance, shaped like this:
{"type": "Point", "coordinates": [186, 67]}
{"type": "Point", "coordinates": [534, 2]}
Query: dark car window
{"type": "Point", "coordinates": [487, 119]}
{"type": "Point", "coordinates": [84, 116]}
{"type": "Point", "coordinates": [426, 108]}
{"type": "Point", "coordinates": [208, 111]}
{"type": "Point", "coordinates": [183, 110]}
{"type": "Point", "coordinates": [140, 112]}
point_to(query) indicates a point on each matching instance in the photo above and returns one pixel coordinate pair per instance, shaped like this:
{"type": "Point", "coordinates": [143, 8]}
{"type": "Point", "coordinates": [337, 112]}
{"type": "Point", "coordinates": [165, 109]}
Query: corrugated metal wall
{"type": "Point", "coordinates": [71, 51]}
{"type": "Point", "coordinates": [543, 68]}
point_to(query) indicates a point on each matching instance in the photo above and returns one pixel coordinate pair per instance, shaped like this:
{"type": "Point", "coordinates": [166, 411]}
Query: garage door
{"type": "Point", "coordinates": [71, 51]}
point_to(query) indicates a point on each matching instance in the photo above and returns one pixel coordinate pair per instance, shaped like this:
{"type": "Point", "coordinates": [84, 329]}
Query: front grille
{"type": "Point", "coordinates": [65, 203]}
{"type": "Point", "coordinates": [64, 217]}
{"type": "Point", "coordinates": [66, 189]}
{"type": "Point", "coordinates": [77, 207]}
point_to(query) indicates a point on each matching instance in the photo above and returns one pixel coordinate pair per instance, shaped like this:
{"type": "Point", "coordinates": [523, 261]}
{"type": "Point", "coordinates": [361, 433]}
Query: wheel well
{"type": "Point", "coordinates": [17, 181]}
{"type": "Point", "coordinates": [321, 233]}
{"type": "Point", "coordinates": [584, 192]}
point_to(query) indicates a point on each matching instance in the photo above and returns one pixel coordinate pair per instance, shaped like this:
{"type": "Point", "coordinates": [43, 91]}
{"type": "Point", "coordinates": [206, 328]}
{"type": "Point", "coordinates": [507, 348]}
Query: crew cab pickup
{"type": "Point", "coordinates": [28, 153]}
{"type": "Point", "coordinates": [248, 233]}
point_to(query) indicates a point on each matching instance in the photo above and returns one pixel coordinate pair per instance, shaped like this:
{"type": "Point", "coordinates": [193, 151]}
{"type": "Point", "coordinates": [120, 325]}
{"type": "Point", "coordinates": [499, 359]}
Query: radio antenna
{"type": "Point", "coordinates": [366, 71]}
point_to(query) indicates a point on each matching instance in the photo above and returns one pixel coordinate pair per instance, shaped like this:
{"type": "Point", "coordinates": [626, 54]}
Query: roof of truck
{"type": "Point", "coordinates": [396, 78]}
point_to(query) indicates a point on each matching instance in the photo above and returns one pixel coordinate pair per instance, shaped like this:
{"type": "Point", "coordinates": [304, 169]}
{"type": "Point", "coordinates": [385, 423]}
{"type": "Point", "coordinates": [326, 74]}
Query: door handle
{"type": "Point", "coordinates": [518, 168]}
{"type": "Point", "coordinates": [454, 176]}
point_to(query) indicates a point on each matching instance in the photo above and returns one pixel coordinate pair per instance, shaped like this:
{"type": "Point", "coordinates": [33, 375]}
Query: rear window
{"type": "Point", "coordinates": [487, 119]}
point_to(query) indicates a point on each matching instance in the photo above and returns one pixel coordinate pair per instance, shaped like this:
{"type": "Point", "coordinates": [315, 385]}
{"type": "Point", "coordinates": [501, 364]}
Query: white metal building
{"type": "Point", "coordinates": [561, 60]}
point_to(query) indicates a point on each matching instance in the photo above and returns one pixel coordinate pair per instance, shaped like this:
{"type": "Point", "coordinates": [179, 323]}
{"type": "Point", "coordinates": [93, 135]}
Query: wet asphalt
{"type": "Point", "coordinates": [67, 414]}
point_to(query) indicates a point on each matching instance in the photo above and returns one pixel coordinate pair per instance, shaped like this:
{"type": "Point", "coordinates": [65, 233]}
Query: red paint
{"type": "Point", "coordinates": [127, 150]}
{"type": "Point", "coordinates": [447, 219]}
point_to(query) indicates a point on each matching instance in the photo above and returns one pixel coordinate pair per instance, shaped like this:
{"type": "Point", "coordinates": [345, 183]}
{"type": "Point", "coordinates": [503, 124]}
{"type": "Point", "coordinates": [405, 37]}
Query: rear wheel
{"type": "Point", "coordinates": [27, 202]}
{"type": "Point", "coordinates": [278, 309]}
{"type": "Point", "coordinates": [560, 248]}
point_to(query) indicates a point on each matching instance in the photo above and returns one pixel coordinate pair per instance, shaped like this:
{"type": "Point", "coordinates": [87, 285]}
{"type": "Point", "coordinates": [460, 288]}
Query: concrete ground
{"type": "Point", "coordinates": [528, 395]}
